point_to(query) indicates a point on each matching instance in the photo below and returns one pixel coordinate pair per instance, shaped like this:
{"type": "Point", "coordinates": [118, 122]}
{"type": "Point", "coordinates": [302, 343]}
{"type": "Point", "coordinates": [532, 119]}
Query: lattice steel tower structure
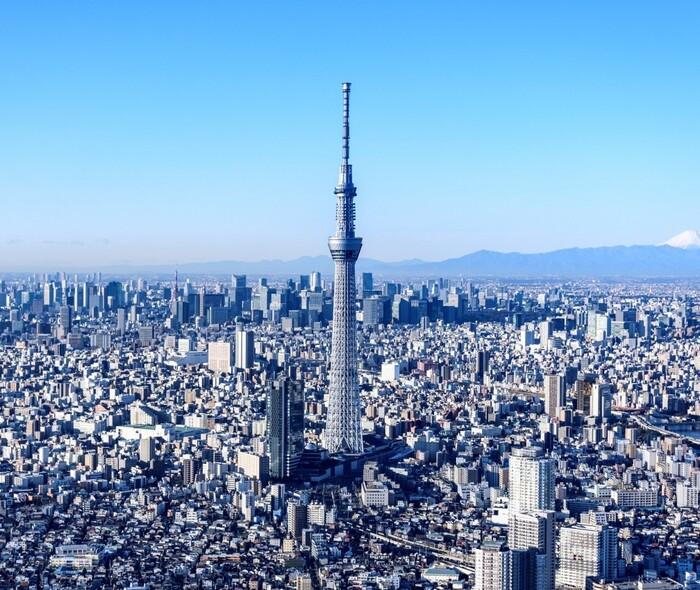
{"type": "Point", "coordinates": [343, 432]}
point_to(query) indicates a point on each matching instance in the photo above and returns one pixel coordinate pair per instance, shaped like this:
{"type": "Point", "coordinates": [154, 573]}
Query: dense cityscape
{"type": "Point", "coordinates": [322, 432]}
{"type": "Point", "coordinates": [170, 435]}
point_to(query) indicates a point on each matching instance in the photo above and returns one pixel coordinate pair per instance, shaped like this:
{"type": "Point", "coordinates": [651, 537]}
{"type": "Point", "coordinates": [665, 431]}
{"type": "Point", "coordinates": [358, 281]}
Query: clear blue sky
{"type": "Point", "coordinates": [157, 132]}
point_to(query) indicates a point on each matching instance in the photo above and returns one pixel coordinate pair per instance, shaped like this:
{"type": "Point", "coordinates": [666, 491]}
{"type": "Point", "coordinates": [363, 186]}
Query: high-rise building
{"type": "Point", "coordinates": [296, 518]}
{"type": "Point", "coordinates": [173, 297]}
{"type": "Point", "coordinates": [76, 292]}
{"type": "Point", "coordinates": [146, 335]}
{"type": "Point", "coordinates": [482, 365]}
{"type": "Point", "coordinates": [285, 427]}
{"type": "Point", "coordinates": [190, 468]}
{"type": "Point", "coordinates": [240, 293]}
{"type": "Point", "coordinates": [121, 320]}
{"type": "Point", "coordinates": [373, 310]}
{"type": "Point", "coordinates": [202, 299]}
{"type": "Point", "coordinates": [49, 294]}
{"type": "Point", "coordinates": [601, 397]}
{"type": "Point", "coordinates": [586, 551]}
{"type": "Point", "coordinates": [583, 389]}
{"type": "Point", "coordinates": [253, 465]}
{"type": "Point", "coordinates": [65, 318]}
{"type": "Point", "coordinates": [554, 394]}
{"type": "Point", "coordinates": [315, 281]}
{"type": "Point", "coordinates": [531, 538]}
{"type": "Point", "coordinates": [87, 290]}
{"type": "Point", "coordinates": [531, 532]}
{"type": "Point", "coordinates": [147, 449]}
{"type": "Point", "coordinates": [220, 357]}
{"type": "Point", "coordinates": [245, 348]}
{"type": "Point", "coordinates": [343, 432]}
{"type": "Point", "coordinates": [367, 284]}
{"type": "Point", "coordinates": [492, 567]}
{"type": "Point", "coordinates": [530, 481]}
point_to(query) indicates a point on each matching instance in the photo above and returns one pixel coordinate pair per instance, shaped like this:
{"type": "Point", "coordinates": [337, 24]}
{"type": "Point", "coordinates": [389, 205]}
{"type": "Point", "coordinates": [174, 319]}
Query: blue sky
{"type": "Point", "coordinates": [152, 132]}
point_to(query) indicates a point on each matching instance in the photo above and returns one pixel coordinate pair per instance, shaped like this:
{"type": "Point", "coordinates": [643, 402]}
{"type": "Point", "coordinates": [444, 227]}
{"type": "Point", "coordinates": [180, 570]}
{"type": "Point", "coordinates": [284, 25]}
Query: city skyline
{"type": "Point", "coordinates": [120, 146]}
{"type": "Point", "coordinates": [195, 395]}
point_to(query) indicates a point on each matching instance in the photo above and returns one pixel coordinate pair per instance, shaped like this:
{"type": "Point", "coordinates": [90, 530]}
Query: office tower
{"type": "Point", "coordinates": [183, 312]}
{"type": "Point", "coordinates": [373, 311]}
{"type": "Point", "coordinates": [87, 289]}
{"type": "Point", "coordinates": [49, 294]}
{"type": "Point", "coordinates": [121, 320]}
{"type": "Point", "coordinates": [482, 365]}
{"type": "Point", "coordinates": [240, 292]}
{"type": "Point", "coordinates": [76, 299]}
{"type": "Point", "coordinates": [245, 348]}
{"type": "Point", "coordinates": [202, 297]}
{"type": "Point", "coordinates": [296, 518]}
{"type": "Point", "coordinates": [146, 335]}
{"type": "Point", "coordinates": [285, 427]}
{"type": "Point", "coordinates": [343, 432]}
{"type": "Point", "coordinates": [114, 295]}
{"type": "Point", "coordinates": [220, 357]}
{"type": "Point", "coordinates": [530, 481]}
{"type": "Point", "coordinates": [554, 394]}
{"type": "Point", "coordinates": [304, 282]}
{"type": "Point", "coordinates": [173, 298]}
{"type": "Point", "coordinates": [367, 284]}
{"type": "Point", "coordinates": [531, 538]}
{"type": "Point", "coordinates": [65, 318]}
{"type": "Point", "coordinates": [601, 397]}
{"type": "Point", "coordinates": [147, 449]}
{"type": "Point", "coordinates": [586, 551]}
{"type": "Point", "coordinates": [492, 567]}
{"type": "Point", "coordinates": [315, 281]}
{"type": "Point", "coordinates": [583, 389]}
{"type": "Point", "coordinates": [190, 467]}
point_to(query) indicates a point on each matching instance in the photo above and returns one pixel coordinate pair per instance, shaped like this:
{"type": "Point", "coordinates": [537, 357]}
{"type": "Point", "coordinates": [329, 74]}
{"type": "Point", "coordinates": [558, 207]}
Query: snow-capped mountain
{"type": "Point", "coordinates": [685, 240]}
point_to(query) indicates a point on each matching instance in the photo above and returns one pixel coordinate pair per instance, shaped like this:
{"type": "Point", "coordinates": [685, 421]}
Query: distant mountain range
{"type": "Point", "coordinates": [679, 260]}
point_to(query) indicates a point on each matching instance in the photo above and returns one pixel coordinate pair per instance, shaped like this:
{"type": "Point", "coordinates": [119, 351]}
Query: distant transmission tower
{"type": "Point", "coordinates": [343, 432]}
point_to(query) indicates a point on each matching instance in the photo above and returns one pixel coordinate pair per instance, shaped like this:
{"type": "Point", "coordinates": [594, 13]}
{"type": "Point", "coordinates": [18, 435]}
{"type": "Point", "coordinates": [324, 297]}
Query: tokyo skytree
{"type": "Point", "coordinates": [343, 432]}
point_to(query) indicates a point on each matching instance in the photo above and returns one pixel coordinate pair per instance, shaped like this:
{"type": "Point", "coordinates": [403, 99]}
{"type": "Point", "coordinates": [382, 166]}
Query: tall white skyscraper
{"type": "Point", "coordinates": [531, 481]}
{"type": "Point", "coordinates": [554, 394]}
{"type": "Point", "coordinates": [245, 348]}
{"type": "Point", "coordinates": [531, 532]}
{"type": "Point", "coordinates": [587, 550]}
{"type": "Point", "coordinates": [492, 567]}
{"type": "Point", "coordinates": [343, 433]}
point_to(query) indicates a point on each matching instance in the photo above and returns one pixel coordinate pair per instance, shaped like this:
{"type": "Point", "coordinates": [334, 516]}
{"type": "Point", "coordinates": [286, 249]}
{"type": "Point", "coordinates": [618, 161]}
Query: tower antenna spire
{"type": "Point", "coordinates": [346, 123]}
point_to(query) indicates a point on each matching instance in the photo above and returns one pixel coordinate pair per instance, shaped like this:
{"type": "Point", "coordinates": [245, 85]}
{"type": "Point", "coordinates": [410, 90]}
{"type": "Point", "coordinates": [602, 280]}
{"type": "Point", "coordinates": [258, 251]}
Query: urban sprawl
{"type": "Point", "coordinates": [165, 435]}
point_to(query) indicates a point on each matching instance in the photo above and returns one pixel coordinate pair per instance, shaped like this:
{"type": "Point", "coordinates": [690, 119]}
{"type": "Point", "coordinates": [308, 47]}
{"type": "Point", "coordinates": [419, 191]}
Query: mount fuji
{"type": "Point", "coordinates": [685, 240]}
